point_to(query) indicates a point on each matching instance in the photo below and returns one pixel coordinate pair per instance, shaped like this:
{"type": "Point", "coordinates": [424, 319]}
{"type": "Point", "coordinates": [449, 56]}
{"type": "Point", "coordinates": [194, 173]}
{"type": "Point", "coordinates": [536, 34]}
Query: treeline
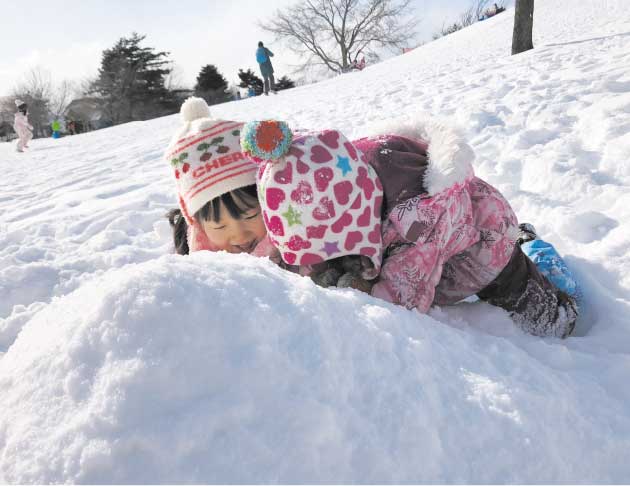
{"type": "Point", "coordinates": [134, 82]}
{"type": "Point", "coordinates": [476, 12]}
{"type": "Point", "coordinates": [131, 83]}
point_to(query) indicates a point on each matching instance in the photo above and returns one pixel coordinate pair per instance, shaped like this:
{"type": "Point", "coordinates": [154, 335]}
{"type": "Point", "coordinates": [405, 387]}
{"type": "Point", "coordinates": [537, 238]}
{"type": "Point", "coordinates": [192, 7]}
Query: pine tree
{"type": "Point", "coordinates": [211, 85]}
{"type": "Point", "coordinates": [284, 83]}
{"type": "Point", "coordinates": [250, 80]}
{"type": "Point", "coordinates": [131, 80]}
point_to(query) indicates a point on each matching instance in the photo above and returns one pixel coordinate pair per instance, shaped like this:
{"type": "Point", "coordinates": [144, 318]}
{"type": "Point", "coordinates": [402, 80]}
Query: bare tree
{"type": "Point", "coordinates": [472, 14]}
{"type": "Point", "coordinates": [46, 100]}
{"type": "Point", "coordinates": [62, 95]}
{"type": "Point", "coordinates": [523, 25]}
{"type": "Point", "coordinates": [84, 86]}
{"type": "Point", "coordinates": [479, 8]}
{"type": "Point", "coordinates": [468, 17]}
{"type": "Point", "coordinates": [335, 33]}
{"type": "Point", "coordinates": [7, 113]}
{"type": "Point", "coordinates": [36, 83]}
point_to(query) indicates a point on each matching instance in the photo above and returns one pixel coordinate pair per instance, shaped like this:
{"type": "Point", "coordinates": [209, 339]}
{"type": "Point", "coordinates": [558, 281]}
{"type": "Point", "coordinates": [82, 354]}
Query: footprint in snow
{"type": "Point", "coordinates": [588, 227]}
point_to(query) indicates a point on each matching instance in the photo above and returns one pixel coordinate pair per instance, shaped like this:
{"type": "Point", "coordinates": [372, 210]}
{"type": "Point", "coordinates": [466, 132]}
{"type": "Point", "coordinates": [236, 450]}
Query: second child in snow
{"type": "Point", "coordinates": [406, 204]}
{"type": "Point", "coordinates": [21, 126]}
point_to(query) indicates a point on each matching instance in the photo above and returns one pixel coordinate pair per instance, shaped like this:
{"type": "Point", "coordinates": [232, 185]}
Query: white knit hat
{"type": "Point", "coordinates": [19, 103]}
{"type": "Point", "coordinates": [206, 158]}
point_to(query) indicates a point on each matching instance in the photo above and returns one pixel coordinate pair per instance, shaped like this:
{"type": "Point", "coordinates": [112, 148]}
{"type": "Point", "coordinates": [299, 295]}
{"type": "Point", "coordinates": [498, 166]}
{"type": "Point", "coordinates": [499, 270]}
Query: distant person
{"type": "Point", "coordinates": [72, 130]}
{"type": "Point", "coordinates": [22, 127]}
{"type": "Point", "coordinates": [358, 65]}
{"type": "Point", "coordinates": [263, 56]}
{"type": "Point", "coordinates": [251, 92]}
{"type": "Point", "coordinates": [56, 128]}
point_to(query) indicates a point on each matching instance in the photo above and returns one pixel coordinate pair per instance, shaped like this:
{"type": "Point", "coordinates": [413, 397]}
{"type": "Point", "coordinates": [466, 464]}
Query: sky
{"type": "Point", "coordinates": [66, 38]}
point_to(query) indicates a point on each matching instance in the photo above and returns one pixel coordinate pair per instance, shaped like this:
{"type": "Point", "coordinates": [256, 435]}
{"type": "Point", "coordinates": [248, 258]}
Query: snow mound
{"type": "Point", "coordinates": [119, 364]}
{"type": "Point", "coordinates": [180, 370]}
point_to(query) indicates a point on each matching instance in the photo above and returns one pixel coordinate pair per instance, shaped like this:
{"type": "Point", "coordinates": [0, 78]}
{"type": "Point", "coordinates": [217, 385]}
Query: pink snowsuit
{"type": "Point", "coordinates": [447, 234]}
{"type": "Point", "coordinates": [447, 247]}
{"type": "Point", "coordinates": [23, 129]}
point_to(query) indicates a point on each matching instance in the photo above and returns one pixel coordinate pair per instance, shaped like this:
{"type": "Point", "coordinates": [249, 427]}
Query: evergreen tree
{"type": "Point", "coordinates": [211, 85]}
{"type": "Point", "coordinates": [131, 80]}
{"type": "Point", "coordinates": [284, 83]}
{"type": "Point", "coordinates": [250, 80]}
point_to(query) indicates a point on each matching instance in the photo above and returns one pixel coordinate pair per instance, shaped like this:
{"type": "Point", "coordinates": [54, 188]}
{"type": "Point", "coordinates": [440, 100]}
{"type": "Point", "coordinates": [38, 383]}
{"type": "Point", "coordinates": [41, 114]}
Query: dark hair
{"type": "Point", "coordinates": [22, 108]}
{"type": "Point", "coordinates": [260, 44]}
{"type": "Point", "coordinates": [237, 203]}
{"type": "Point", "coordinates": [180, 229]}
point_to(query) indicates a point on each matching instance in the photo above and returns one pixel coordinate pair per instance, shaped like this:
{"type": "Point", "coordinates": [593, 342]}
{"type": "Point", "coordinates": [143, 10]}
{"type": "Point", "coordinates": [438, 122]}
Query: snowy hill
{"type": "Point", "coordinates": [120, 362]}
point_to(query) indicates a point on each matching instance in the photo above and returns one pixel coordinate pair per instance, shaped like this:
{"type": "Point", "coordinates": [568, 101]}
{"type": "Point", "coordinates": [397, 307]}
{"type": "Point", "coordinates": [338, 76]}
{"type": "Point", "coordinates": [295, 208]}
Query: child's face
{"type": "Point", "coordinates": [236, 235]}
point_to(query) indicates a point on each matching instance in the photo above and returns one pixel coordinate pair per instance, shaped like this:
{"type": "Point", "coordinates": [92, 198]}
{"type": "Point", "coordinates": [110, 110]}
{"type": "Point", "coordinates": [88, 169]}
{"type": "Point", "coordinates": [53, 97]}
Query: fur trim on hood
{"type": "Point", "coordinates": [450, 157]}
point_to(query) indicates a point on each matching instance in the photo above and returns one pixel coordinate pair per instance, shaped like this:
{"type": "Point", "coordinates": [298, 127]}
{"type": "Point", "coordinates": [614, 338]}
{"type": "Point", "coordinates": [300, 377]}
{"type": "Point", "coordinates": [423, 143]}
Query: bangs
{"type": "Point", "coordinates": [237, 203]}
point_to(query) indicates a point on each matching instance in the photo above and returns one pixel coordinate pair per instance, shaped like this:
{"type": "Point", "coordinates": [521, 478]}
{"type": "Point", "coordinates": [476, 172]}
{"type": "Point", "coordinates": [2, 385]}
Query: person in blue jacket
{"type": "Point", "coordinates": [263, 56]}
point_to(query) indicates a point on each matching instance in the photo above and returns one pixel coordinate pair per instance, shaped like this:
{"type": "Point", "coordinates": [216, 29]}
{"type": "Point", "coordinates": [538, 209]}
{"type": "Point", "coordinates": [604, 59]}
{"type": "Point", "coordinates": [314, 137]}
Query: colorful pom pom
{"type": "Point", "coordinates": [266, 140]}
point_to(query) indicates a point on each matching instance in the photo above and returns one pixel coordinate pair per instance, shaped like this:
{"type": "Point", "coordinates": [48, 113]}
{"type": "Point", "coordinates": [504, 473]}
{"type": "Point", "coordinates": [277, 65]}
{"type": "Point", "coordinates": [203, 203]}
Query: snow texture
{"type": "Point", "coordinates": [122, 363]}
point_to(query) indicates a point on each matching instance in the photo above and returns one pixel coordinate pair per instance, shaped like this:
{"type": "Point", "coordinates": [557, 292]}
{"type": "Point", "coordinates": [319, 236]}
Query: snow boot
{"type": "Point", "coordinates": [534, 303]}
{"type": "Point", "coordinates": [548, 261]}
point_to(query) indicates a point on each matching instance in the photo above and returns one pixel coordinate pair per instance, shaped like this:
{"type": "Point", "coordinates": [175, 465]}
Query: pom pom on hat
{"type": "Point", "coordinates": [194, 108]}
{"type": "Point", "coordinates": [320, 199]}
{"type": "Point", "coordinates": [266, 140]}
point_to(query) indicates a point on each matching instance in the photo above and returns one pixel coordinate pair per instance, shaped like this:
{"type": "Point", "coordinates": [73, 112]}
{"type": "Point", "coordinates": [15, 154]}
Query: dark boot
{"type": "Point", "coordinates": [536, 305]}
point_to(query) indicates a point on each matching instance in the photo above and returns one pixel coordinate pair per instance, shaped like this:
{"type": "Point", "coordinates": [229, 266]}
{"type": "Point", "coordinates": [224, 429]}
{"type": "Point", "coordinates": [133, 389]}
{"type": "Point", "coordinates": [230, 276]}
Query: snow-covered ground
{"type": "Point", "coordinates": [120, 362]}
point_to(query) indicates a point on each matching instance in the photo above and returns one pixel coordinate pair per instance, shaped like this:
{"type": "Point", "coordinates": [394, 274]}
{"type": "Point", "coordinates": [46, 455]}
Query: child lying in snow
{"type": "Point", "coordinates": [379, 214]}
{"type": "Point", "coordinates": [216, 185]}
{"type": "Point", "coordinates": [421, 228]}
